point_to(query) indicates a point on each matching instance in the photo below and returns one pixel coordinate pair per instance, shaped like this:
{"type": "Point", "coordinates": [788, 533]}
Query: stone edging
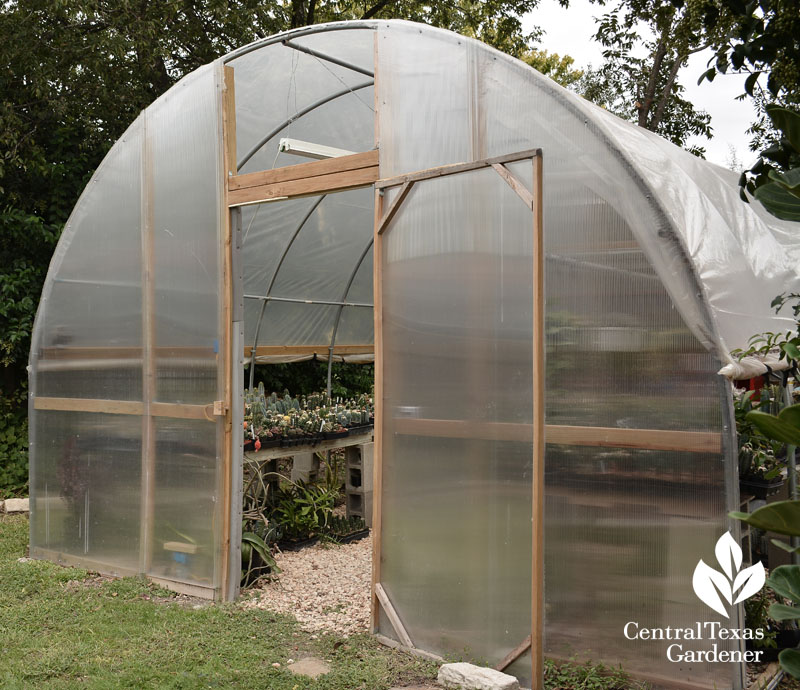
{"type": "Point", "coordinates": [14, 505]}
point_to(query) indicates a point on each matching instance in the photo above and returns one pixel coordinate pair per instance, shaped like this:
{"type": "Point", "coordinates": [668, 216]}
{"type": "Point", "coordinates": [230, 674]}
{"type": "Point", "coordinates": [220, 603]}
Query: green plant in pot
{"type": "Point", "coordinates": [759, 464]}
{"type": "Point", "coordinates": [782, 517]}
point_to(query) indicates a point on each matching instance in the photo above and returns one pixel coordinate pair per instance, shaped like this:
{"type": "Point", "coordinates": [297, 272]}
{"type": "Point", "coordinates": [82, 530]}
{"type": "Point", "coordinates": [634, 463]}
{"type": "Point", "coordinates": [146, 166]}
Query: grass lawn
{"type": "Point", "coordinates": [64, 628]}
{"type": "Point", "coordinates": [68, 628]}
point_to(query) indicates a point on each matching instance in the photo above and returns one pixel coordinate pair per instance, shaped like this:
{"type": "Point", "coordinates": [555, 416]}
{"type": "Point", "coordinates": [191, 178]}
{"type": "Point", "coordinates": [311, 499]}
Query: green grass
{"type": "Point", "coordinates": [63, 628]}
{"type": "Point", "coordinates": [67, 628]}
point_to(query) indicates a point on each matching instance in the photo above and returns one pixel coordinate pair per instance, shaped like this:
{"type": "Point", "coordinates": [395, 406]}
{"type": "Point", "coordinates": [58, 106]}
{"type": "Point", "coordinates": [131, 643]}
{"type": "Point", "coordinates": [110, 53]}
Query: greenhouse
{"type": "Point", "coordinates": [547, 292]}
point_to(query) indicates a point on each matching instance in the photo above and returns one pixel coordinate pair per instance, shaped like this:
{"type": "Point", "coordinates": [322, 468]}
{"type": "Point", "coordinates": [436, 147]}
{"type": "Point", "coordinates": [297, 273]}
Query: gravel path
{"type": "Point", "coordinates": [325, 587]}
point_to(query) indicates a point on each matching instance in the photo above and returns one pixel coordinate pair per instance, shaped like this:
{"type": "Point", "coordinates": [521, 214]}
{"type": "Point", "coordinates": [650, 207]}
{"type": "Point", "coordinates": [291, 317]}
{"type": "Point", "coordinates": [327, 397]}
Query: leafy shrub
{"type": "Point", "coordinates": [13, 444]}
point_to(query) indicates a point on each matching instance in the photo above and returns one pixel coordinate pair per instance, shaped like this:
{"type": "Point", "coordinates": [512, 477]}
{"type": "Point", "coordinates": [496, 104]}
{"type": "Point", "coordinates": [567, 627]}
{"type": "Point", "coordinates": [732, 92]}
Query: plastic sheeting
{"type": "Point", "coordinates": [654, 271]}
{"type": "Point", "coordinates": [623, 528]}
{"type": "Point", "coordinates": [109, 490]}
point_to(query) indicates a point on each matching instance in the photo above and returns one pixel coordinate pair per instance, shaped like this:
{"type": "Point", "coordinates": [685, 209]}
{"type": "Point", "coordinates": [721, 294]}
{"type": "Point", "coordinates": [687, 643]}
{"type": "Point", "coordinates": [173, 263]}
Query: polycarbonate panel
{"type": "Point", "coordinates": [457, 505]}
{"type": "Point", "coordinates": [275, 83]}
{"type": "Point", "coordinates": [88, 331]}
{"type": "Point", "coordinates": [183, 138]}
{"type": "Point", "coordinates": [309, 249]}
{"type": "Point", "coordinates": [187, 514]}
{"type": "Point", "coordinates": [619, 355]}
{"type": "Point", "coordinates": [86, 489]}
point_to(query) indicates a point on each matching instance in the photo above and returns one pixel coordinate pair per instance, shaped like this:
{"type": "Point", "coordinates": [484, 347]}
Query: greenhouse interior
{"type": "Point", "coordinates": [524, 269]}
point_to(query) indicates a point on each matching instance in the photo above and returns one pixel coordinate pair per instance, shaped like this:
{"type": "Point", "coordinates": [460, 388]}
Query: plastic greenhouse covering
{"type": "Point", "coordinates": [654, 271]}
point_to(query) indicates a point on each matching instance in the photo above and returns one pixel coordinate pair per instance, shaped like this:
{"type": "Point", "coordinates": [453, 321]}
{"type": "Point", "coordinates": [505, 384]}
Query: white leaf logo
{"type": "Point", "coordinates": [709, 584]}
{"type": "Point", "coordinates": [726, 550]}
{"type": "Point", "coordinates": [751, 580]}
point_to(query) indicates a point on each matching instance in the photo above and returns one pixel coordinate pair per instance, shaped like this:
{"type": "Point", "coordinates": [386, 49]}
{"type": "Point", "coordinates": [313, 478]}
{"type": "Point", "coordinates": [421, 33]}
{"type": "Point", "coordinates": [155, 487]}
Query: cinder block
{"type": "Point", "coordinates": [359, 503]}
{"type": "Point", "coordinates": [359, 463]}
{"type": "Point", "coordinates": [305, 467]}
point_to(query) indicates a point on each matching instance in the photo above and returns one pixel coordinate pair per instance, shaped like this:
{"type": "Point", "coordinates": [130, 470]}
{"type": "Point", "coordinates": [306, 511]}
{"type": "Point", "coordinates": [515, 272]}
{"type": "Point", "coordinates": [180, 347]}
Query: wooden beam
{"type": "Point", "coordinates": [229, 121]}
{"type": "Point", "coordinates": [377, 464]}
{"type": "Point", "coordinates": [309, 186]}
{"type": "Point", "coordinates": [130, 407]}
{"type": "Point", "coordinates": [304, 171]}
{"type": "Point", "coordinates": [377, 312]}
{"type": "Point", "coordinates": [394, 644]}
{"type": "Point", "coordinates": [514, 654]}
{"type": "Point", "coordinates": [647, 439]}
{"type": "Point", "coordinates": [610, 437]}
{"type": "Point", "coordinates": [187, 588]}
{"type": "Point", "coordinates": [148, 471]}
{"type": "Point", "coordinates": [163, 352]}
{"type": "Point", "coordinates": [539, 376]}
{"type": "Point", "coordinates": [226, 326]}
{"type": "Point", "coordinates": [514, 182]}
{"type": "Point", "coordinates": [394, 207]}
{"type": "Point", "coordinates": [89, 405]}
{"type": "Point", "coordinates": [444, 170]}
{"type": "Point", "coordinates": [303, 350]}
{"type": "Point", "coordinates": [391, 614]}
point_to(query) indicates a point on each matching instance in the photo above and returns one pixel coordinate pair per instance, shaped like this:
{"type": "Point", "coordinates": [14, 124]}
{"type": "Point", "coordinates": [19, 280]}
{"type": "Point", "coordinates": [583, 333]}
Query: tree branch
{"type": "Point", "coordinates": [649, 94]}
{"type": "Point", "coordinates": [377, 7]}
{"type": "Point", "coordinates": [665, 94]}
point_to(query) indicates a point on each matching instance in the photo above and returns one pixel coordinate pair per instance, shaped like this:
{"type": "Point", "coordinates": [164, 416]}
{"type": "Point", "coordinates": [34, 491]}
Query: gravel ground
{"type": "Point", "coordinates": [326, 587]}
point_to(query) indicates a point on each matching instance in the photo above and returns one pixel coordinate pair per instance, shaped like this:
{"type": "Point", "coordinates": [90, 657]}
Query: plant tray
{"type": "Point", "coordinates": [329, 435]}
{"type": "Point", "coordinates": [292, 545]}
{"type": "Point", "coordinates": [759, 488]}
{"type": "Point", "coordinates": [353, 536]}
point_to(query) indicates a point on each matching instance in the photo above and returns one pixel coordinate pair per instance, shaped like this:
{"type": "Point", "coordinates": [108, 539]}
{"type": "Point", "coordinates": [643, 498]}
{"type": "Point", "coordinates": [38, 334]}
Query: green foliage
{"type": "Point", "coordinates": [559, 68]}
{"type": "Point", "coordinates": [785, 427]}
{"type": "Point", "coordinates": [77, 72]}
{"type": "Point", "coordinates": [756, 616]}
{"type": "Point", "coordinates": [347, 379]}
{"type": "Point", "coordinates": [13, 444]}
{"type": "Point", "coordinates": [790, 662]}
{"type": "Point", "coordinates": [785, 582]}
{"type": "Point", "coordinates": [569, 675]}
{"type": "Point", "coordinates": [762, 41]}
{"type": "Point", "coordinates": [757, 453]}
{"type": "Point", "coordinates": [63, 628]}
{"type": "Point", "coordinates": [303, 510]}
{"type": "Point", "coordinates": [257, 559]}
{"type": "Point", "coordinates": [778, 191]}
{"type": "Point", "coordinates": [638, 79]}
{"type": "Point", "coordinates": [782, 517]}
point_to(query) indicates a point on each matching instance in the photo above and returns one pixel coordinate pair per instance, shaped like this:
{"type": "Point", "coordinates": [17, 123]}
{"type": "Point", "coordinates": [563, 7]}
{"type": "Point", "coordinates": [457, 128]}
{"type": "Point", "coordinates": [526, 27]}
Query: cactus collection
{"type": "Point", "coordinates": [271, 420]}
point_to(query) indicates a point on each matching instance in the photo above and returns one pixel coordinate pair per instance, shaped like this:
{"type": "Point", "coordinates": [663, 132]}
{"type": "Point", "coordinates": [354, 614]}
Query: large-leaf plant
{"type": "Point", "coordinates": [782, 517]}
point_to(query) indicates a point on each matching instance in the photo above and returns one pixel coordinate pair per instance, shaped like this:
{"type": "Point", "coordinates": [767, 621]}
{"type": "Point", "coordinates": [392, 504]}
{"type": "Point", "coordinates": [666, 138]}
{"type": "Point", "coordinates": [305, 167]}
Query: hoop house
{"type": "Point", "coordinates": [523, 267]}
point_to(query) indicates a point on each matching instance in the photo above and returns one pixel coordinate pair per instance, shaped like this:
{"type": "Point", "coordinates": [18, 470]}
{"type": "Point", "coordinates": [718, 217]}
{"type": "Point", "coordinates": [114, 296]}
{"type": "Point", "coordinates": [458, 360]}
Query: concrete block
{"type": "Point", "coordinates": [305, 467]}
{"type": "Point", "coordinates": [16, 505]}
{"type": "Point", "coordinates": [471, 677]}
{"type": "Point", "coordinates": [359, 503]}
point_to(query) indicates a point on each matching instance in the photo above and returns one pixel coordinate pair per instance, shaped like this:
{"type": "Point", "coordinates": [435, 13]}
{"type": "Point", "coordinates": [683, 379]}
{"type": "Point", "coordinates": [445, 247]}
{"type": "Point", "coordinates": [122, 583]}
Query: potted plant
{"type": "Point", "coordinates": [760, 470]}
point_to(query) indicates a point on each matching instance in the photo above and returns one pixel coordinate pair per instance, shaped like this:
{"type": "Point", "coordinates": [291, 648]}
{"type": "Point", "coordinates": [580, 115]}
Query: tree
{"type": "Point", "coordinates": [763, 40]}
{"type": "Point", "coordinates": [559, 69]}
{"type": "Point", "coordinates": [646, 44]}
{"type": "Point", "coordinates": [75, 73]}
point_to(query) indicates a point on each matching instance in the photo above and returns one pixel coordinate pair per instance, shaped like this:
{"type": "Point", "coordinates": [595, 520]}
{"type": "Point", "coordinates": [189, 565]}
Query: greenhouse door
{"type": "Point", "coordinates": [459, 396]}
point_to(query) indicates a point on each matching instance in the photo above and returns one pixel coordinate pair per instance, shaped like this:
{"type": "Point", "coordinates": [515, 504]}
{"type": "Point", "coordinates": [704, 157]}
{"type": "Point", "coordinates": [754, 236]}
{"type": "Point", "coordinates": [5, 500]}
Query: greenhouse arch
{"type": "Point", "coordinates": [463, 215]}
